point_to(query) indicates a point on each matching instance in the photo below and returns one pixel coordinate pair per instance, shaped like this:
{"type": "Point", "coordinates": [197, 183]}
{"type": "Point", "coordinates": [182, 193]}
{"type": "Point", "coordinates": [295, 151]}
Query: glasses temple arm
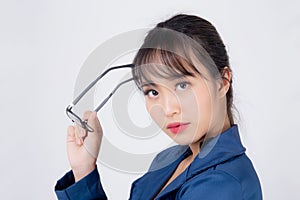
{"type": "Point", "coordinates": [108, 97]}
{"type": "Point", "coordinates": [75, 101]}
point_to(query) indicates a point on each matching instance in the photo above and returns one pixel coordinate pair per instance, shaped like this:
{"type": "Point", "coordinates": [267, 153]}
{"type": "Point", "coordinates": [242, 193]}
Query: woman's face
{"type": "Point", "coordinates": [181, 106]}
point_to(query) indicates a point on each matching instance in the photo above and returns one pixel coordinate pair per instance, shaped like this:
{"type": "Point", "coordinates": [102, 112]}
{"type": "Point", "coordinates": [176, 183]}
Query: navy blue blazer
{"type": "Point", "coordinates": [221, 170]}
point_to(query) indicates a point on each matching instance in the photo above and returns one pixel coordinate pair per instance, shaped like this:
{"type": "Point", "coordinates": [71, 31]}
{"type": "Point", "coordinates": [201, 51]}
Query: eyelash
{"type": "Point", "coordinates": [146, 93]}
{"type": "Point", "coordinates": [184, 82]}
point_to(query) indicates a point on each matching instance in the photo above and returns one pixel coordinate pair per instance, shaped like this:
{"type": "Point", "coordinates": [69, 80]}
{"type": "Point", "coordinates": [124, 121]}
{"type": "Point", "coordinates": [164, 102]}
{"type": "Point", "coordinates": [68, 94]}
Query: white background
{"type": "Point", "coordinates": [43, 45]}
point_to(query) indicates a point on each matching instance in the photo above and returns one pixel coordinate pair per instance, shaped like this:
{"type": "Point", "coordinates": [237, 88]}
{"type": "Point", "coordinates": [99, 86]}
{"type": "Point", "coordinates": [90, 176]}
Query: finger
{"type": "Point", "coordinates": [80, 132]}
{"type": "Point", "coordinates": [78, 137]}
{"type": "Point", "coordinates": [71, 134]}
{"type": "Point", "coordinates": [86, 115]}
{"type": "Point", "coordinates": [83, 133]}
{"type": "Point", "coordinates": [94, 122]}
{"type": "Point", "coordinates": [93, 116]}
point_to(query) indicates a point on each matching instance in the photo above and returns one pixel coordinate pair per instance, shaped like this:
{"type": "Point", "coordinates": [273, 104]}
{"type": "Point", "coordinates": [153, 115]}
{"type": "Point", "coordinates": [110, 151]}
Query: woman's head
{"type": "Point", "coordinates": [180, 68]}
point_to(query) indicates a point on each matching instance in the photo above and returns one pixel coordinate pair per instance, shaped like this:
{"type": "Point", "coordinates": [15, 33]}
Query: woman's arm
{"type": "Point", "coordinates": [83, 182]}
{"type": "Point", "coordinates": [89, 187]}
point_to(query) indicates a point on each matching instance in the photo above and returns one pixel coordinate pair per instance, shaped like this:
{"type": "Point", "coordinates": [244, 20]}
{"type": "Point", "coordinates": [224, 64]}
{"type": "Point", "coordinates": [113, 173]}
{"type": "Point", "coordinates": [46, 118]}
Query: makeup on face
{"type": "Point", "coordinates": [180, 107]}
{"type": "Point", "coordinates": [177, 127]}
{"type": "Point", "coordinates": [153, 90]}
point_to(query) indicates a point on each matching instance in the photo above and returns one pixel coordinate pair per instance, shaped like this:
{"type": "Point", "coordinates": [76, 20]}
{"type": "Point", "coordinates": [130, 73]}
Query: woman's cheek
{"type": "Point", "coordinates": [156, 113]}
{"type": "Point", "coordinates": [190, 103]}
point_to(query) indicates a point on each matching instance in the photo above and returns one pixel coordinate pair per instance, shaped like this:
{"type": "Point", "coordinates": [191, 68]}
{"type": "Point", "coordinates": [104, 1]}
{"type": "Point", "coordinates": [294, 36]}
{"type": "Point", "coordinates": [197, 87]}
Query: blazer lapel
{"type": "Point", "coordinates": [151, 183]}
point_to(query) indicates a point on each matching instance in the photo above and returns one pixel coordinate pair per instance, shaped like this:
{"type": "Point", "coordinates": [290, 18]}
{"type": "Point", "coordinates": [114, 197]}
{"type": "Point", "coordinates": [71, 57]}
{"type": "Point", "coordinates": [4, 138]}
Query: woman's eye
{"type": "Point", "coordinates": [182, 85]}
{"type": "Point", "coordinates": [151, 93]}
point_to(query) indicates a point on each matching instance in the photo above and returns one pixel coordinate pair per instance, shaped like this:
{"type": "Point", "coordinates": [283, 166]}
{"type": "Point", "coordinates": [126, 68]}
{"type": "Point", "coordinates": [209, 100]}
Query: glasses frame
{"type": "Point", "coordinates": [83, 123]}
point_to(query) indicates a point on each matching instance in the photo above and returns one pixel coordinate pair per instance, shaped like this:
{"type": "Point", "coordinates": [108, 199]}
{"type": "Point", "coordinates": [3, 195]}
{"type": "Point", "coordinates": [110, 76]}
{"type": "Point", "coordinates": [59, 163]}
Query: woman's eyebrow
{"type": "Point", "coordinates": [148, 84]}
{"type": "Point", "coordinates": [173, 77]}
{"type": "Point", "coordinates": [178, 77]}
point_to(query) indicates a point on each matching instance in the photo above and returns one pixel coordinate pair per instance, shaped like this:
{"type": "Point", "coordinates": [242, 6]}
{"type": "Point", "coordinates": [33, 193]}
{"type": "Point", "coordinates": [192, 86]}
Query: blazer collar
{"type": "Point", "coordinates": [223, 147]}
{"type": "Point", "coordinates": [213, 152]}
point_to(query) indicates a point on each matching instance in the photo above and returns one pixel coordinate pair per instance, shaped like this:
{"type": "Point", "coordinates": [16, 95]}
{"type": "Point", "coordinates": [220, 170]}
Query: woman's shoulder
{"type": "Point", "coordinates": [236, 174]}
{"type": "Point", "coordinates": [241, 168]}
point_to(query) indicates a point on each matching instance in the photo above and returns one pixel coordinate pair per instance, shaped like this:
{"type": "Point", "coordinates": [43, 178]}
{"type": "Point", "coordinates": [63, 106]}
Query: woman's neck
{"type": "Point", "coordinates": [195, 147]}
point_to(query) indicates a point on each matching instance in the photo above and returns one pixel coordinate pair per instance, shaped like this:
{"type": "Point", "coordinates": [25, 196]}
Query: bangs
{"type": "Point", "coordinates": [160, 63]}
{"type": "Point", "coordinates": [169, 54]}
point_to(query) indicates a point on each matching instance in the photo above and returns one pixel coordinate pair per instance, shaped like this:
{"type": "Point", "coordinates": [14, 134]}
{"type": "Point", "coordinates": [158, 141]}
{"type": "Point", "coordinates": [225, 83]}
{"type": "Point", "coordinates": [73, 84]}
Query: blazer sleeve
{"type": "Point", "coordinates": [216, 185]}
{"type": "Point", "coordinates": [88, 188]}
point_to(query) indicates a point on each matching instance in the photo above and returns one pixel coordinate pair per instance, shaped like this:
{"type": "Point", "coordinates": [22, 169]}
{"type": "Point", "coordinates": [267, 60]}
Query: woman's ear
{"type": "Point", "coordinates": [226, 81]}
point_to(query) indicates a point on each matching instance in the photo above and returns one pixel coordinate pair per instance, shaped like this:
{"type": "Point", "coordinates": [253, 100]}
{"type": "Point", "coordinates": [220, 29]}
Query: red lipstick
{"type": "Point", "coordinates": [177, 127]}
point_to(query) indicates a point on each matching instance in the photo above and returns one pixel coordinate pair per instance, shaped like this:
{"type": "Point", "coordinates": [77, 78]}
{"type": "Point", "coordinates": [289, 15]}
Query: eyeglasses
{"type": "Point", "coordinates": [83, 123]}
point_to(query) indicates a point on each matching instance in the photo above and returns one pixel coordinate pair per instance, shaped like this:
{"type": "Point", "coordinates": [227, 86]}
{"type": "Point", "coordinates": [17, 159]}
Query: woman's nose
{"type": "Point", "coordinates": [170, 104]}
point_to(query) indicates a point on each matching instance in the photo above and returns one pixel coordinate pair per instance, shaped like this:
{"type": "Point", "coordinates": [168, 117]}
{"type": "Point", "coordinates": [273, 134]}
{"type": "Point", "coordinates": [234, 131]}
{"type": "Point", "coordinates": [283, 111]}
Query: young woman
{"type": "Point", "coordinates": [183, 70]}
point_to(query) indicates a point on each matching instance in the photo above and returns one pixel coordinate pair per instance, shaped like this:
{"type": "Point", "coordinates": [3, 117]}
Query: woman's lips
{"type": "Point", "coordinates": [177, 127]}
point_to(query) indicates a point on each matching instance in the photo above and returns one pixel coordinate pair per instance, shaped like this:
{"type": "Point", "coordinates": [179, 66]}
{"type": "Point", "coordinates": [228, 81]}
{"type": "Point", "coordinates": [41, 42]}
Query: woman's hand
{"type": "Point", "coordinates": [83, 147]}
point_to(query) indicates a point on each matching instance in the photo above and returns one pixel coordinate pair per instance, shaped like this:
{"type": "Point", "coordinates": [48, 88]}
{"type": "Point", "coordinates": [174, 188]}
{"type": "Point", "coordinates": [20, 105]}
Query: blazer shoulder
{"type": "Point", "coordinates": [242, 169]}
{"type": "Point", "coordinates": [206, 184]}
